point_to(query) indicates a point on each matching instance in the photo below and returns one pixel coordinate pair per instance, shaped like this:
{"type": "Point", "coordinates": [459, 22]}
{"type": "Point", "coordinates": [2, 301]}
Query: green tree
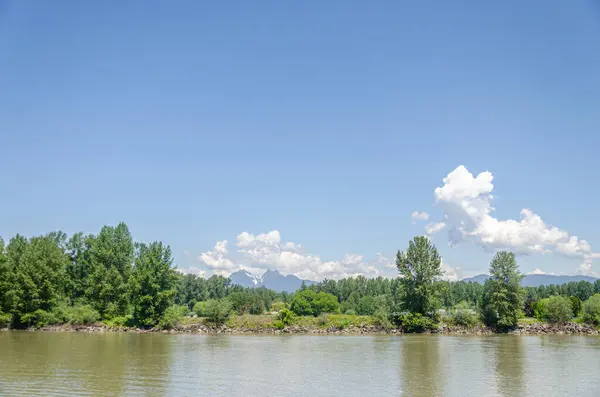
{"type": "Point", "coordinates": [37, 279]}
{"type": "Point", "coordinates": [591, 310]}
{"type": "Point", "coordinates": [111, 264]}
{"type": "Point", "coordinates": [503, 296]}
{"type": "Point", "coordinates": [558, 310]}
{"type": "Point", "coordinates": [420, 268]}
{"type": "Point", "coordinates": [153, 283]}
{"type": "Point", "coordinates": [217, 311]}
{"type": "Point", "coordinates": [80, 265]}
{"type": "Point", "coordinates": [366, 306]}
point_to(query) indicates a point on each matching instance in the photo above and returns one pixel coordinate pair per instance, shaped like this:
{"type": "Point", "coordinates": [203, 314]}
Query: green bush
{"type": "Point", "coordinates": [82, 314]}
{"type": "Point", "coordinates": [415, 322]}
{"type": "Point", "coordinates": [286, 316]}
{"type": "Point", "coordinates": [323, 319]}
{"type": "Point", "coordinates": [463, 317]}
{"type": "Point", "coordinates": [200, 309]}
{"type": "Point", "coordinates": [120, 321]}
{"type": "Point", "coordinates": [279, 324]}
{"type": "Point", "coordinates": [172, 316]}
{"type": "Point", "coordinates": [591, 310]}
{"type": "Point", "coordinates": [350, 312]}
{"type": "Point", "coordinates": [557, 309]}
{"type": "Point", "coordinates": [277, 306]}
{"type": "Point", "coordinates": [366, 306]}
{"type": "Point", "coordinates": [217, 311]}
{"type": "Point", "coordinates": [5, 320]}
{"type": "Point", "coordinates": [39, 318]}
{"type": "Point", "coordinates": [310, 303]}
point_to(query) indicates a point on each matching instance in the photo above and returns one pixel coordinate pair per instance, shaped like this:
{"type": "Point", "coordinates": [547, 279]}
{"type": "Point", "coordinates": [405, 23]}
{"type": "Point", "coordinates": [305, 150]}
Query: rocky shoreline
{"type": "Point", "coordinates": [443, 329]}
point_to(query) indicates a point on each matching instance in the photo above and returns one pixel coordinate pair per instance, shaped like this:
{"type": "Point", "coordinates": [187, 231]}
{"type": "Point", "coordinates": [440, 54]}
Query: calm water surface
{"type": "Point", "coordinates": [119, 364]}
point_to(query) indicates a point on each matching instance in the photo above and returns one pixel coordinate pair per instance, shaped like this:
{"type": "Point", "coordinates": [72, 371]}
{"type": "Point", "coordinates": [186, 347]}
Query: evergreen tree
{"type": "Point", "coordinates": [503, 296]}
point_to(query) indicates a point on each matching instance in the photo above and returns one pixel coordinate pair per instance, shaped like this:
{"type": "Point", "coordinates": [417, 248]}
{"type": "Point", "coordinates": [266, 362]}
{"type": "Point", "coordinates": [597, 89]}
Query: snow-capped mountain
{"type": "Point", "coordinates": [271, 279]}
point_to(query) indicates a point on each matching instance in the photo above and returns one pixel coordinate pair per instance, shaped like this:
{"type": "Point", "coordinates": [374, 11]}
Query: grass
{"type": "Point", "coordinates": [267, 321]}
{"type": "Point", "coordinates": [529, 320]}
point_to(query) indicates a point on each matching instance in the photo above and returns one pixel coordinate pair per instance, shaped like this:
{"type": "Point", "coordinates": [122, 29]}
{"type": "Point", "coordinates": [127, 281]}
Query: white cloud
{"type": "Point", "coordinates": [433, 228]}
{"type": "Point", "coordinates": [217, 259]}
{"type": "Point", "coordinates": [467, 204]}
{"type": "Point", "coordinates": [419, 216]}
{"type": "Point", "coordinates": [451, 273]}
{"type": "Point", "coordinates": [257, 253]}
{"type": "Point", "coordinates": [537, 271]}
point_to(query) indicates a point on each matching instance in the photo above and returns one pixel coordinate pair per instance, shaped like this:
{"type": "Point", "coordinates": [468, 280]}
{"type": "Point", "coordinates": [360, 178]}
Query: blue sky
{"type": "Point", "coordinates": [328, 122]}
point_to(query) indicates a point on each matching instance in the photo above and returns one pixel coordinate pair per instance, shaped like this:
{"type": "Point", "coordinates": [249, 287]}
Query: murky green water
{"type": "Point", "coordinates": [78, 364]}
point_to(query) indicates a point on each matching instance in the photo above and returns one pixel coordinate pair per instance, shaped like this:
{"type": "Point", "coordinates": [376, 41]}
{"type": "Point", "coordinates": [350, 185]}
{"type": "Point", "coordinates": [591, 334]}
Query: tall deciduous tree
{"type": "Point", "coordinates": [112, 260]}
{"type": "Point", "coordinates": [153, 283]}
{"type": "Point", "coordinates": [79, 248]}
{"type": "Point", "coordinates": [420, 268]}
{"type": "Point", "coordinates": [503, 295]}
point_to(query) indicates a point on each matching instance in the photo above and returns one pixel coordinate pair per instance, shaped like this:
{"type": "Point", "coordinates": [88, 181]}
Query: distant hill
{"type": "Point", "coordinates": [271, 279]}
{"type": "Point", "coordinates": [535, 280]}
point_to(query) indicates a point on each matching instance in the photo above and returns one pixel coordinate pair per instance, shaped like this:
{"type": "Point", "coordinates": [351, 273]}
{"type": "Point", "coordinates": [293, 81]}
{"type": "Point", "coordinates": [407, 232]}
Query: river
{"type": "Point", "coordinates": [123, 364]}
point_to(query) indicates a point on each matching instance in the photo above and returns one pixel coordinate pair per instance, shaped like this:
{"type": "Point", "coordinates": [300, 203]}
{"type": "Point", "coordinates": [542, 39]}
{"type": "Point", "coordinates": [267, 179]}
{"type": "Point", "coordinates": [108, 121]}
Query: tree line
{"type": "Point", "coordinates": [54, 279]}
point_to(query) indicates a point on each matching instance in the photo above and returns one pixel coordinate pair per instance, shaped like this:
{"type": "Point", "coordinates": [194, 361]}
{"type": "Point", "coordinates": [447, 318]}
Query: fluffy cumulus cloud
{"type": "Point", "coordinates": [451, 273]}
{"type": "Point", "coordinates": [466, 201]}
{"type": "Point", "coordinates": [257, 253]}
{"type": "Point", "coordinates": [419, 216]}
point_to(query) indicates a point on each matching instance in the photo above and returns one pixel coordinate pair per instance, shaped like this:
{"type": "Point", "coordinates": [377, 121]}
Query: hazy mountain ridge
{"type": "Point", "coordinates": [535, 280]}
{"type": "Point", "coordinates": [271, 279]}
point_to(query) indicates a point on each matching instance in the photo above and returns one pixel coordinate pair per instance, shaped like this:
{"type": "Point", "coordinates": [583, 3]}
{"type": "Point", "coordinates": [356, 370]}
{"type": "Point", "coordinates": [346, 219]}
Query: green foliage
{"type": "Point", "coordinates": [350, 312]}
{"type": "Point", "coordinates": [246, 302]}
{"type": "Point", "coordinates": [557, 309]}
{"type": "Point", "coordinates": [172, 316]}
{"type": "Point", "coordinates": [39, 318]}
{"type": "Point", "coordinates": [286, 316]}
{"type": "Point", "coordinates": [200, 308]}
{"type": "Point", "coordinates": [366, 306]}
{"type": "Point", "coordinates": [82, 315]}
{"type": "Point", "coordinates": [5, 320]}
{"type": "Point", "coordinates": [217, 311]}
{"type": "Point", "coordinates": [415, 322]}
{"type": "Point", "coordinates": [153, 283]}
{"type": "Point", "coordinates": [310, 303]}
{"type": "Point", "coordinates": [277, 306]}
{"type": "Point", "coordinates": [575, 305]}
{"type": "Point", "coordinates": [420, 267]}
{"type": "Point", "coordinates": [462, 314]}
{"type": "Point", "coordinates": [120, 321]}
{"type": "Point", "coordinates": [591, 310]}
{"type": "Point", "coordinates": [111, 257]}
{"type": "Point", "coordinates": [503, 296]}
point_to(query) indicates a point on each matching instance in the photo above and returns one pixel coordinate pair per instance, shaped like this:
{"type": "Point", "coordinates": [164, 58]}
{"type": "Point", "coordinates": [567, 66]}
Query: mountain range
{"type": "Point", "coordinates": [535, 280]}
{"type": "Point", "coordinates": [271, 279]}
{"type": "Point", "coordinates": [276, 281]}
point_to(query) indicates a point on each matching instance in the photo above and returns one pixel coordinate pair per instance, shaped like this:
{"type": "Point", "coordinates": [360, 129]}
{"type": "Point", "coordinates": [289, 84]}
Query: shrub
{"type": "Point", "coordinates": [591, 310]}
{"type": "Point", "coordinates": [278, 306]}
{"type": "Point", "coordinates": [558, 310]}
{"type": "Point", "coordinates": [200, 308]}
{"type": "Point", "coordinates": [286, 316]}
{"type": "Point", "coordinates": [323, 319]}
{"type": "Point", "coordinates": [539, 309]}
{"type": "Point", "coordinates": [120, 321]}
{"type": "Point", "coordinates": [464, 317]}
{"type": "Point", "coordinates": [217, 311]}
{"type": "Point", "coordinates": [382, 318]}
{"type": "Point", "coordinates": [310, 303]}
{"type": "Point", "coordinates": [246, 302]}
{"type": "Point", "coordinates": [83, 314]}
{"type": "Point", "coordinates": [5, 320]}
{"type": "Point", "coordinates": [350, 312]}
{"type": "Point", "coordinates": [415, 322]}
{"type": "Point", "coordinates": [39, 318]}
{"type": "Point", "coordinates": [172, 316]}
{"type": "Point", "coordinates": [279, 324]}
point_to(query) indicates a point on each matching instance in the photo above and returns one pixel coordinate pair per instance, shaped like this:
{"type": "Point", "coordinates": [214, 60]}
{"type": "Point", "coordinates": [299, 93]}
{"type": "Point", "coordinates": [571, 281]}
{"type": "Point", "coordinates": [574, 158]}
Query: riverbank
{"type": "Point", "coordinates": [364, 329]}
